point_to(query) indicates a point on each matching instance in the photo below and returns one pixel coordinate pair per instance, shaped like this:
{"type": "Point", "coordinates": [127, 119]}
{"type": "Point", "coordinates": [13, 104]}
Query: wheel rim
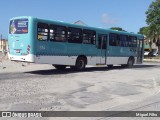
{"type": "Point", "coordinates": [80, 64]}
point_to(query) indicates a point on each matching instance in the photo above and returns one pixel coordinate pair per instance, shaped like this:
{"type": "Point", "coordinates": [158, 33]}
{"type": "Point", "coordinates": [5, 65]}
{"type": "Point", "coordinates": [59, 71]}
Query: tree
{"type": "Point", "coordinates": [153, 21]}
{"type": "Point", "coordinates": [149, 32]}
{"type": "Point", "coordinates": [153, 13]}
{"type": "Point", "coordinates": [144, 31]}
{"type": "Point", "coordinates": [117, 28]}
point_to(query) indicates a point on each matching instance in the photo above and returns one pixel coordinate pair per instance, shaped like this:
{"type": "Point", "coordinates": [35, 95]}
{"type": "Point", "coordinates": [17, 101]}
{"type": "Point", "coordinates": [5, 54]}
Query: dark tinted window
{"type": "Point", "coordinates": [132, 41]}
{"type": "Point", "coordinates": [89, 37]}
{"type": "Point", "coordinates": [114, 39]}
{"type": "Point", "coordinates": [102, 41]}
{"type": "Point", "coordinates": [74, 35]}
{"type": "Point", "coordinates": [57, 33]}
{"type": "Point", "coordinates": [124, 40]}
{"type": "Point", "coordinates": [42, 32]}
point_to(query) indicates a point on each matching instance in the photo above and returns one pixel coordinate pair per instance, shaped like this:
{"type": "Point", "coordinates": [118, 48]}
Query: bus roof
{"type": "Point", "coordinates": [78, 25]}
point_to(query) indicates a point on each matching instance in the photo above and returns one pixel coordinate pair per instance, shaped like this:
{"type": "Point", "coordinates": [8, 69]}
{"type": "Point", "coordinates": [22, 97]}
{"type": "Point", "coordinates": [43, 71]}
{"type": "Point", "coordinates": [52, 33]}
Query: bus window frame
{"type": "Point", "coordinates": [71, 36]}
{"type": "Point", "coordinates": [117, 41]}
{"type": "Point", "coordinates": [44, 26]}
{"type": "Point", "coordinates": [123, 41]}
{"type": "Point", "coordinates": [93, 37]}
{"type": "Point", "coordinates": [131, 40]}
{"type": "Point", "coordinates": [63, 39]}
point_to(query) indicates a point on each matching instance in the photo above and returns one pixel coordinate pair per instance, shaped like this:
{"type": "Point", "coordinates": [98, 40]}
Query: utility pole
{"type": "Point", "coordinates": [1, 41]}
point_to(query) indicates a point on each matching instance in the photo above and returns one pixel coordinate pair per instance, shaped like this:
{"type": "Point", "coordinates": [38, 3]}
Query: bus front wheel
{"type": "Point", "coordinates": [60, 67]}
{"type": "Point", "coordinates": [130, 62]}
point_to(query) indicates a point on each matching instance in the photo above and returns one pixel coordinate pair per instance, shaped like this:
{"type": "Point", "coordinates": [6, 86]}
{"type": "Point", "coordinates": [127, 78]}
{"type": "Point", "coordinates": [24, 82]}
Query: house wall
{"type": "Point", "coordinates": [3, 45]}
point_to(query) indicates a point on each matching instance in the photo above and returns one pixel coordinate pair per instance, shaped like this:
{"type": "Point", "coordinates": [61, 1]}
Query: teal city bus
{"type": "Point", "coordinates": [63, 44]}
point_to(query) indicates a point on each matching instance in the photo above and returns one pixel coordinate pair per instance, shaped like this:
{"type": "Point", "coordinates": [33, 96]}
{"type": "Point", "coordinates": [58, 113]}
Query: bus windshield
{"type": "Point", "coordinates": [18, 26]}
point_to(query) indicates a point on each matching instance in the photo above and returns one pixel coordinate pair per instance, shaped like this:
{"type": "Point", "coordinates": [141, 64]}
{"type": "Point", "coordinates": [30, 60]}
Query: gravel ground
{"type": "Point", "coordinates": [42, 88]}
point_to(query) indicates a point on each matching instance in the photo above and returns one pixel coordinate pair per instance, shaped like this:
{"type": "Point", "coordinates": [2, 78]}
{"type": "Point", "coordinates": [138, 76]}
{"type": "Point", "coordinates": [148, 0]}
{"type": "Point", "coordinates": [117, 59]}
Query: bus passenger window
{"type": "Point", "coordinates": [57, 33]}
{"type": "Point", "coordinates": [89, 37]}
{"type": "Point", "coordinates": [132, 40]}
{"type": "Point", "coordinates": [42, 32]}
{"type": "Point", "coordinates": [74, 35]}
{"type": "Point", "coordinates": [123, 40]}
{"type": "Point", "coordinates": [114, 39]}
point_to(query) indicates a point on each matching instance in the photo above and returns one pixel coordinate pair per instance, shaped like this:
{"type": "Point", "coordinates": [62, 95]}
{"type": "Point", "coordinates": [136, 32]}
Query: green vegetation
{"type": "Point", "coordinates": [117, 28]}
{"type": "Point", "coordinates": [152, 31]}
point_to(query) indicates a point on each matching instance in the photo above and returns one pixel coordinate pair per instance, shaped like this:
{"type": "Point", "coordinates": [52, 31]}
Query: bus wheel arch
{"type": "Point", "coordinates": [130, 62]}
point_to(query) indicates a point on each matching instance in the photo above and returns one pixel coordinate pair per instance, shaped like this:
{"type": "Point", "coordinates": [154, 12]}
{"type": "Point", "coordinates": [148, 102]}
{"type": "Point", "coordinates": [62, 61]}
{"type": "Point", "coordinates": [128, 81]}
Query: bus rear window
{"type": "Point", "coordinates": [18, 26]}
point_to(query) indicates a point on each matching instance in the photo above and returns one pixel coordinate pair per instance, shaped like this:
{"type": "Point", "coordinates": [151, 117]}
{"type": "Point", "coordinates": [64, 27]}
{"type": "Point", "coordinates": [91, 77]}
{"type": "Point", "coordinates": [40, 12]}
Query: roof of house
{"type": "Point", "coordinates": [79, 22]}
{"type": "Point", "coordinates": [3, 39]}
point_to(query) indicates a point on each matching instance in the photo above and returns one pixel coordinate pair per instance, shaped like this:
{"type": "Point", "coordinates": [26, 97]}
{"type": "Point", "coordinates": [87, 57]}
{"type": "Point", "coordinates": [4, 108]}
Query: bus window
{"type": "Point", "coordinates": [102, 41]}
{"type": "Point", "coordinates": [132, 41]}
{"type": "Point", "coordinates": [123, 41]}
{"type": "Point", "coordinates": [114, 39]}
{"type": "Point", "coordinates": [42, 31]}
{"type": "Point", "coordinates": [74, 35]}
{"type": "Point", "coordinates": [89, 37]}
{"type": "Point", "coordinates": [57, 33]}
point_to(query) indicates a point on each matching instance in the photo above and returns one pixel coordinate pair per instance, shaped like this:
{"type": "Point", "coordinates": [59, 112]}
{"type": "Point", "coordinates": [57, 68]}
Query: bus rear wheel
{"type": "Point", "coordinates": [60, 67]}
{"type": "Point", "coordinates": [80, 64]}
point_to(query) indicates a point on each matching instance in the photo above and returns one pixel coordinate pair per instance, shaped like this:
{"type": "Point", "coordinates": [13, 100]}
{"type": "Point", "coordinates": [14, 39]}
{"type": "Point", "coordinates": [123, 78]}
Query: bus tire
{"type": "Point", "coordinates": [60, 67]}
{"type": "Point", "coordinates": [130, 62]}
{"type": "Point", "coordinates": [124, 65]}
{"type": "Point", "coordinates": [110, 66]}
{"type": "Point", "coordinates": [80, 64]}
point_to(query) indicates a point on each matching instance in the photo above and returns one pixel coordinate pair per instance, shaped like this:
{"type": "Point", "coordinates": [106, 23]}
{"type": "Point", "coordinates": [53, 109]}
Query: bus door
{"type": "Point", "coordinates": [102, 46]}
{"type": "Point", "coordinates": [140, 51]}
